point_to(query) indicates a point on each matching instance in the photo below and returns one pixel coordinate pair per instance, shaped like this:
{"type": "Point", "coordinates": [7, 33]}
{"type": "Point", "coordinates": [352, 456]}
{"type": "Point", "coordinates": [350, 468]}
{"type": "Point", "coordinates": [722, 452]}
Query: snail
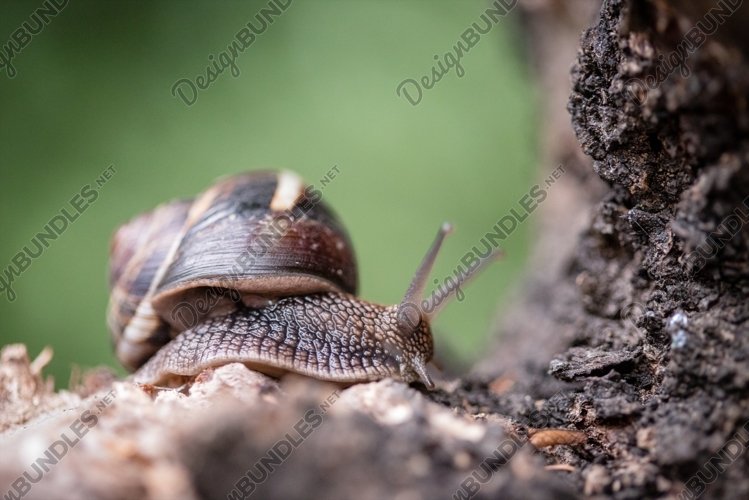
{"type": "Point", "coordinates": [257, 270]}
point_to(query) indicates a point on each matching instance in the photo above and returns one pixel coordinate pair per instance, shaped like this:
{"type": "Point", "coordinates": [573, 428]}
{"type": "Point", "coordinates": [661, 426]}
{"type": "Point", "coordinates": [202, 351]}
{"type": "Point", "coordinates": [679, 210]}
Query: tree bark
{"type": "Point", "coordinates": [648, 315]}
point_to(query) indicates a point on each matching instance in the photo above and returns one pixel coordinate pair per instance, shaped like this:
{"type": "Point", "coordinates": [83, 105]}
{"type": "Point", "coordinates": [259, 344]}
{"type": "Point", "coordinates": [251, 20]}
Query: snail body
{"type": "Point", "coordinates": [329, 336]}
{"type": "Point", "coordinates": [257, 270]}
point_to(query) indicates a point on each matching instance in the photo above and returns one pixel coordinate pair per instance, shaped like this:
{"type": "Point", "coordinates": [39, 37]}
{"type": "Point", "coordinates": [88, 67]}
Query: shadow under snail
{"type": "Point", "coordinates": [257, 270]}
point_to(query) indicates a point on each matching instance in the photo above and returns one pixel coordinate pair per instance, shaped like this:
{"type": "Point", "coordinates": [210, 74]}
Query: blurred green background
{"type": "Point", "coordinates": [318, 89]}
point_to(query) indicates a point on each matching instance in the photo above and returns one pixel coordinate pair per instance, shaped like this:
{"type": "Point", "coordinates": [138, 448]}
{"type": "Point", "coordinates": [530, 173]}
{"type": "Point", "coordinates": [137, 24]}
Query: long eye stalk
{"type": "Point", "coordinates": [409, 306]}
{"type": "Point", "coordinates": [410, 309]}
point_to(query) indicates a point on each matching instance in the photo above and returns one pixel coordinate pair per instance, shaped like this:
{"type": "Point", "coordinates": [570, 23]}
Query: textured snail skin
{"type": "Point", "coordinates": [329, 336]}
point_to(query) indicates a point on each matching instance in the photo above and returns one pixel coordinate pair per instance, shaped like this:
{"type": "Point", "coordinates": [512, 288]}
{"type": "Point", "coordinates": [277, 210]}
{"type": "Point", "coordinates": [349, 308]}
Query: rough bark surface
{"type": "Point", "coordinates": [621, 372]}
{"type": "Point", "coordinates": [650, 313]}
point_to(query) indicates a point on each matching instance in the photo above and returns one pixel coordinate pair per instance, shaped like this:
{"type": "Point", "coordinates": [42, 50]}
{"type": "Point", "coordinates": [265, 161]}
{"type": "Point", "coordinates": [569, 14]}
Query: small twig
{"type": "Point", "coordinates": [541, 438]}
{"type": "Point", "coordinates": [42, 360]}
{"type": "Point", "coordinates": [561, 467]}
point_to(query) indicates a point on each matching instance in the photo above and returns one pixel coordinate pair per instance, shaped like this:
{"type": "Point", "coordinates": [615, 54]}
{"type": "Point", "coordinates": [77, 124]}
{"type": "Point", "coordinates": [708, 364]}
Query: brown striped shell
{"type": "Point", "coordinates": [248, 240]}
